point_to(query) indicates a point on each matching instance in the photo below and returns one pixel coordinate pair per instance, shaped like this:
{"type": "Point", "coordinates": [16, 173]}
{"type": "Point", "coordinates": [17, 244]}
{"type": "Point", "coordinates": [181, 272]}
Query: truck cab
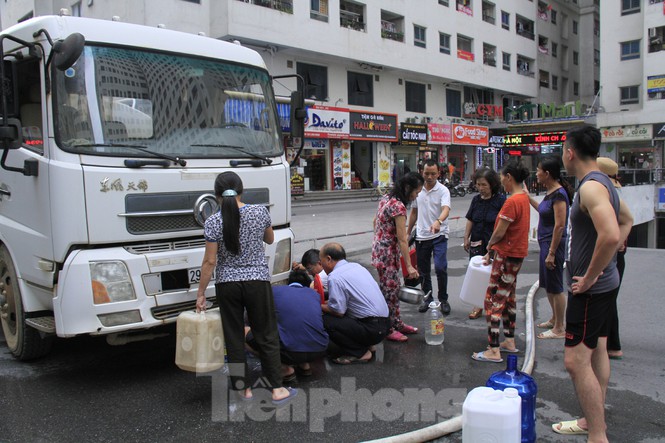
{"type": "Point", "coordinates": [111, 137]}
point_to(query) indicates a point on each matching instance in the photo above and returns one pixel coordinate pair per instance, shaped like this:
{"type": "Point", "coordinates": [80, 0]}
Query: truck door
{"type": "Point", "coordinates": [25, 222]}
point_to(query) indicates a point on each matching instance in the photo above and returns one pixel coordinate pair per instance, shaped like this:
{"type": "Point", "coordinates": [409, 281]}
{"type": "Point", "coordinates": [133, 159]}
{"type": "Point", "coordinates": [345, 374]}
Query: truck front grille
{"type": "Point", "coordinates": [174, 211]}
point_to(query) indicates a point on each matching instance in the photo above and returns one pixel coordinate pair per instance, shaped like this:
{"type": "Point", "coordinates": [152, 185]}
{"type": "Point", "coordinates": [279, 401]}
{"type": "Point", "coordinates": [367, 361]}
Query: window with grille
{"type": "Point", "coordinates": [506, 61]}
{"type": "Point", "coordinates": [576, 58]}
{"type": "Point", "coordinates": [555, 83]}
{"type": "Point", "coordinates": [630, 50]}
{"type": "Point", "coordinates": [576, 88]}
{"type": "Point", "coordinates": [629, 95]}
{"type": "Point", "coordinates": [319, 10]}
{"type": "Point", "coordinates": [544, 78]}
{"type": "Point", "coordinates": [553, 16]}
{"type": "Point", "coordinates": [444, 43]}
{"type": "Point", "coordinates": [415, 97]}
{"type": "Point", "coordinates": [316, 80]}
{"type": "Point", "coordinates": [555, 49]}
{"type": "Point", "coordinates": [419, 36]}
{"type": "Point", "coordinates": [630, 7]}
{"type": "Point", "coordinates": [361, 89]}
{"type": "Point", "coordinates": [505, 20]}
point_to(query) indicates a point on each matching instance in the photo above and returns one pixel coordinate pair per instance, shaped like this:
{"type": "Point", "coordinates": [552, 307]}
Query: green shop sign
{"type": "Point", "coordinates": [533, 111]}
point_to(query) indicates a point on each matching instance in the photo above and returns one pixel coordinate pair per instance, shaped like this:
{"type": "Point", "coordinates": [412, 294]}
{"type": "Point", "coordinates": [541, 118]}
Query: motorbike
{"type": "Point", "coordinates": [457, 190]}
{"type": "Point", "coordinates": [471, 188]}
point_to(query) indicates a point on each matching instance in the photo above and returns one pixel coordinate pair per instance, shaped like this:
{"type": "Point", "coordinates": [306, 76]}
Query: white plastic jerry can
{"type": "Point", "coordinates": [490, 415]}
{"type": "Point", "coordinates": [199, 341]}
{"type": "Point", "coordinates": [476, 281]}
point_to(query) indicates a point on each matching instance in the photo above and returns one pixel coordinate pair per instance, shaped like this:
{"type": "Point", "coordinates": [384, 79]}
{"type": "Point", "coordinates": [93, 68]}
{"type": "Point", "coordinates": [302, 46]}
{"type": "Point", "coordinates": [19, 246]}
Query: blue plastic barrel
{"type": "Point", "coordinates": [526, 386]}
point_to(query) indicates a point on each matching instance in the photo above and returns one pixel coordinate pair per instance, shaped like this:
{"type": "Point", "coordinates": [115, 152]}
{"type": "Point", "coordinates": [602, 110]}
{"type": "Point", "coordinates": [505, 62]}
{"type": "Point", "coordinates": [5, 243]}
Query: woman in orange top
{"type": "Point", "coordinates": [506, 248]}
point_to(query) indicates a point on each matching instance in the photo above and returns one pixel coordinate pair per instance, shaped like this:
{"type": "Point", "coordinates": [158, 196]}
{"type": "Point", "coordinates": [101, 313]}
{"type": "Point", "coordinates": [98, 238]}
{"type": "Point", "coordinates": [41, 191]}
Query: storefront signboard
{"type": "Point", "coordinates": [327, 122]}
{"type": "Point", "coordinates": [655, 83]}
{"type": "Point", "coordinates": [440, 134]}
{"type": "Point", "coordinates": [482, 110]}
{"type": "Point", "coordinates": [297, 183]}
{"type": "Point", "coordinates": [315, 143]}
{"type": "Point", "coordinates": [470, 135]}
{"type": "Point", "coordinates": [661, 199]}
{"type": "Point", "coordinates": [412, 134]}
{"type": "Point", "coordinates": [659, 131]}
{"type": "Point", "coordinates": [373, 126]}
{"type": "Point", "coordinates": [626, 133]}
{"type": "Point", "coordinates": [341, 158]}
{"type": "Point", "coordinates": [538, 138]}
{"type": "Point", "coordinates": [496, 141]}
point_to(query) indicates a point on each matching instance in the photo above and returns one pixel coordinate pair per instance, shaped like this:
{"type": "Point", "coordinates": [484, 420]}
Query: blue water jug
{"type": "Point", "coordinates": [526, 386]}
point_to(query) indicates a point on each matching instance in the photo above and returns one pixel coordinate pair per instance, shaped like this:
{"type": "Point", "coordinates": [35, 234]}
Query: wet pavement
{"type": "Point", "coordinates": [87, 390]}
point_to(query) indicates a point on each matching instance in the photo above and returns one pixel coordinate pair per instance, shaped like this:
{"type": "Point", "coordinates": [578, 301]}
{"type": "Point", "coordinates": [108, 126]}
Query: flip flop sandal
{"type": "Point", "coordinates": [549, 334]}
{"type": "Point", "coordinates": [569, 427]}
{"type": "Point", "coordinates": [397, 336]}
{"type": "Point", "coordinates": [545, 325]}
{"type": "Point", "coordinates": [407, 329]}
{"type": "Point", "coordinates": [289, 378]}
{"type": "Point", "coordinates": [511, 351]}
{"type": "Point", "coordinates": [292, 393]}
{"type": "Point", "coordinates": [480, 356]}
{"type": "Point", "coordinates": [349, 360]}
{"type": "Point", "coordinates": [476, 313]}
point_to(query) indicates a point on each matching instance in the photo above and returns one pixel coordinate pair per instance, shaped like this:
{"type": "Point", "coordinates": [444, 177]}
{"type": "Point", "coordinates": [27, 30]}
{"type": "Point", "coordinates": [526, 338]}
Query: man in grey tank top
{"type": "Point", "coordinates": [598, 225]}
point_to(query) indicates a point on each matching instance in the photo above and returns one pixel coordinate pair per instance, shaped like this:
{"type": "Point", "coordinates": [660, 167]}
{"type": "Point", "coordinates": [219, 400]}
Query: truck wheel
{"type": "Point", "coordinates": [24, 342]}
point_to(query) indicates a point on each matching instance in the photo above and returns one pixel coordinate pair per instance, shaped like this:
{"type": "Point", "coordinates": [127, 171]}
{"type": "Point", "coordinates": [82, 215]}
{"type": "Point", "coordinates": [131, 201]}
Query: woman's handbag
{"type": "Point", "coordinates": [199, 341]}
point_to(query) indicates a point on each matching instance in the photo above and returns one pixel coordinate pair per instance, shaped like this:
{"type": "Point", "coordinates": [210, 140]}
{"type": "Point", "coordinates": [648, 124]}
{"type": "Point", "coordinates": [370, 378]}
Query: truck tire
{"type": "Point", "coordinates": [24, 342]}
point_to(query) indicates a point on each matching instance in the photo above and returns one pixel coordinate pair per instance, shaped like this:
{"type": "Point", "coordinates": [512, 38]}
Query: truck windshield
{"type": "Point", "coordinates": [175, 105]}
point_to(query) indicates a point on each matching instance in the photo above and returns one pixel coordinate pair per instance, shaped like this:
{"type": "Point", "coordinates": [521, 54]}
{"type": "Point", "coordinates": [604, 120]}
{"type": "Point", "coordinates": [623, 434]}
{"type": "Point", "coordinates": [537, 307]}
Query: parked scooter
{"type": "Point", "coordinates": [457, 190]}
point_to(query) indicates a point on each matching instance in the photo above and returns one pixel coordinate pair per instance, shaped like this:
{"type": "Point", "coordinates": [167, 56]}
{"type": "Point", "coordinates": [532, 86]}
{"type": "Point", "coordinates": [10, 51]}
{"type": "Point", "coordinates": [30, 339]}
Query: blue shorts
{"type": "Point", "coordinates": [552, 279]}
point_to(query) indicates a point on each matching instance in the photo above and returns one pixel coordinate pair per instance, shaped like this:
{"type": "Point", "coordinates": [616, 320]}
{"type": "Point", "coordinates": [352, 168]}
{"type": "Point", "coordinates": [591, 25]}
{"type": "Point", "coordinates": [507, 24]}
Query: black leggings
{"type": "Point", "coordinates": [255, 297]}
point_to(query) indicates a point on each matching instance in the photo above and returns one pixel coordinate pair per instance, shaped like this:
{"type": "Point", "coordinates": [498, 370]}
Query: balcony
{"type": "Point", "coordinates": [389, 30]}
{"type": "Point", "coordinates": [279, 5]}
{"type": "Point", "coordinates": [351, 20]}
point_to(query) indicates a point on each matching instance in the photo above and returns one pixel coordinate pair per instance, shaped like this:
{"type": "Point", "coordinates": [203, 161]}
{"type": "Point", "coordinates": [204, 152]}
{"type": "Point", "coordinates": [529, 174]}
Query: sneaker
{"type": "Point", "coordinates": [445, 308]}
{"type": "Point", "coordinates": [425, 306]}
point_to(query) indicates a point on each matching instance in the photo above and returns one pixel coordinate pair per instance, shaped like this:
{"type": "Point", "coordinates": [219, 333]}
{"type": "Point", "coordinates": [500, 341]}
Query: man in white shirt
{"type": "Point", "coordinates": [429, 212]}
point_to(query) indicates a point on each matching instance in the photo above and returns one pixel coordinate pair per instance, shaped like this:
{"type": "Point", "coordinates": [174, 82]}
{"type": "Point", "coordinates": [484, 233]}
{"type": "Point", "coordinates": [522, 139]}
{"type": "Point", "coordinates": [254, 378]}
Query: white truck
{"type": "Point", "coordinates": [111, 136]}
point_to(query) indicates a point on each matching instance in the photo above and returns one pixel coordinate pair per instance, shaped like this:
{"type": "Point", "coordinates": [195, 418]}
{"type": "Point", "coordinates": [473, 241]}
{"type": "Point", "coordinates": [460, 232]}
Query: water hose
{"type": "Point", "coordinates": [455, 424]}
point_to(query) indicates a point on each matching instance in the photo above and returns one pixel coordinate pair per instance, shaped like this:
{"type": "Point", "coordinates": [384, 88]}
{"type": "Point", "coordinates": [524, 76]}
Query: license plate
{"type": "Point", "coordinates": [195, 275]}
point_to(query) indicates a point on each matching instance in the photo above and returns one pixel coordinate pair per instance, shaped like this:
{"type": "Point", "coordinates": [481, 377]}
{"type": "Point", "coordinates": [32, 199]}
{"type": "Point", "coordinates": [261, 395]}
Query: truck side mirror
{"type": "Point", "coordinates": [298, 115]}
{"type": "Point", "coordinates": [10, 134]}
{"type": "Point", "coordinates": [67, 51]}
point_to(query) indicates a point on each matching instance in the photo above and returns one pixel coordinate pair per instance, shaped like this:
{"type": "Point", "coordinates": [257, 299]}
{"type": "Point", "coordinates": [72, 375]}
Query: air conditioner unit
{"type": "Point", "coordinates": [652, 32]}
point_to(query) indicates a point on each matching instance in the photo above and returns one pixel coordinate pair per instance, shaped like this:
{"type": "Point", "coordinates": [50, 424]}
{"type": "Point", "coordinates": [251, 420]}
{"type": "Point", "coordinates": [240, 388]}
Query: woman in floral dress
{"type": "Point", "coordinates": [390, 240]}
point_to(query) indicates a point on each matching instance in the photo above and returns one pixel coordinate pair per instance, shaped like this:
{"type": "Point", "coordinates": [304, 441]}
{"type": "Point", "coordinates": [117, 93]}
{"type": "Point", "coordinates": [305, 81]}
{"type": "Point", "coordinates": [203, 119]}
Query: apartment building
{"type": "Point", "coordinates": [394, 82]}
{"type": "Point", "coordinates": [632, 96]}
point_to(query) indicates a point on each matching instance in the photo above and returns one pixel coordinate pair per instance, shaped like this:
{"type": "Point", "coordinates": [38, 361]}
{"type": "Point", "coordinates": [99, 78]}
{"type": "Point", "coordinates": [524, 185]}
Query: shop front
{"type": "Point", "coordinates": [412, 137]}
{"type": "Point", "coordinates": [462, 154]}
{"type": "Point", "coordinates": [325, 161]}
{"type": "Point", "coordinates": [438, 139]}
{"type": "Point", "coordinates": [371, 134]}
{"type": "Point", "coordinates": [533, 147]}
{"type": "Point", "coordinates": [633, 149]}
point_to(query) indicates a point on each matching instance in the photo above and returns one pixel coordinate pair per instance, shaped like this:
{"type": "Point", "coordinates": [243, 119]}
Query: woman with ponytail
{"type": "Point", "coordinates": [234, 249]}
{"type": "Point", "coordinates": [552, 234]}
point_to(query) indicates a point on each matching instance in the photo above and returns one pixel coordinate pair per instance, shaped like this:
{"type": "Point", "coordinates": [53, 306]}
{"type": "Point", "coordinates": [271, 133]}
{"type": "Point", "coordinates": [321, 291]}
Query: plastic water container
{"type": "Point", "coordinates": [525, 385]}
{"type": "Point", "coordinates": [490, 415]}
{"type": "Point", "coordinates": [476, 280]}
{"type": "Point", "coordinates": [199, 341]}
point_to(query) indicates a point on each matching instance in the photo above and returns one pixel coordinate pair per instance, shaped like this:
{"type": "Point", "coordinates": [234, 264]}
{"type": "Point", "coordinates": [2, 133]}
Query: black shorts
{"type": "Point", "coordinates": [588, 316]}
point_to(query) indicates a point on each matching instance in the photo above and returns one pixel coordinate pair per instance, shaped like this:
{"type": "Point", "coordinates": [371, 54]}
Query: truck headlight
{"type": "Point", "coordinates": [282, 261]}
{"type": "Point", "coordinates": [110, 282]}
